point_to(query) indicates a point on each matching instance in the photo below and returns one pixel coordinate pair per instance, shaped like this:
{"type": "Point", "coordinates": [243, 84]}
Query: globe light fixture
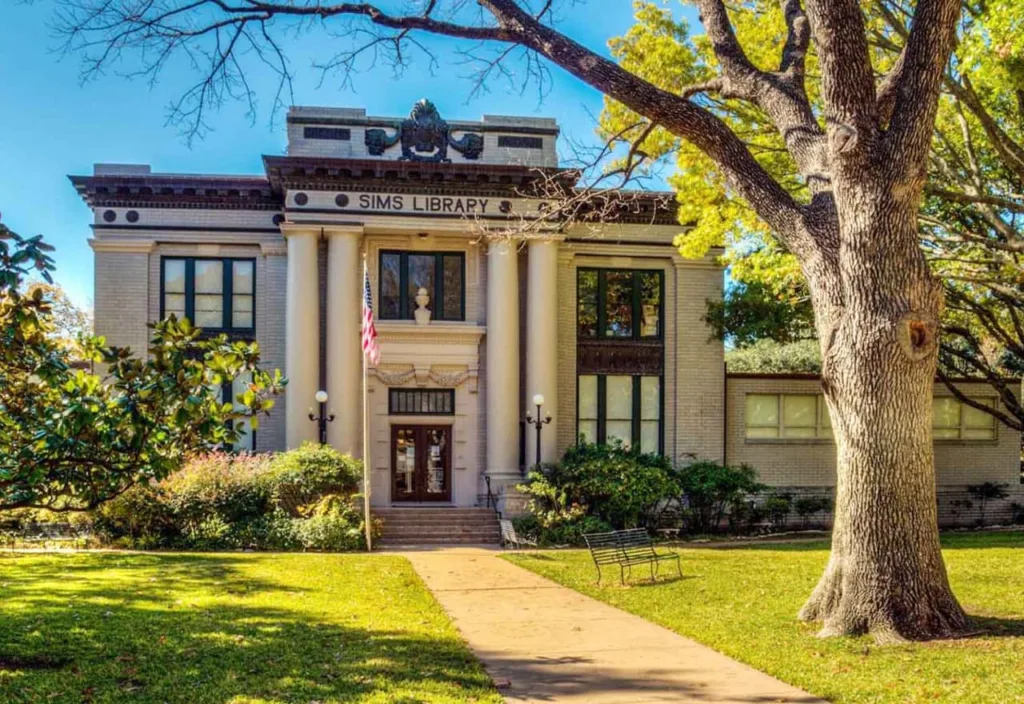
{"type": "Point", "coordinates": [538, 422]}
{"type": "Point", "coordinates": [324, 417]}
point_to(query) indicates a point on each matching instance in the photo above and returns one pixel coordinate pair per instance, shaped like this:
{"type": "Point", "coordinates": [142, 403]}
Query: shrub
{"type": "Point", "coordinates": [709, 488]}
{"type": "Point", "coordinates": [218, 484]}
{"type": "Point", "coordinates": [300, 477]}
{"type": "Point", "coordinates": [808, 506]}
{"type": "Point", "coordinates": [777, 508]}
{"type": "Point", "coordinates": [221, 501]}
{"type": "Point", "coordinates": [618, 486]}
{"type": "Point", "coordinates": [556, 530]}
{"type": "Point", "coordinates": [985, 492]}
{"type": "Point", "coordinates": [141, 512]}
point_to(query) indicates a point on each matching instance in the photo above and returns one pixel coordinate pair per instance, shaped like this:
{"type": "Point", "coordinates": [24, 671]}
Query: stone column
{"type": "Point", "coordinates": [302, 334]}
{"type": "Point", "coordinates": [344, 317]}
{"type": "Point", "coordinates": [503, 363]}
{"type": "Point", "coordinates": [542, 344]}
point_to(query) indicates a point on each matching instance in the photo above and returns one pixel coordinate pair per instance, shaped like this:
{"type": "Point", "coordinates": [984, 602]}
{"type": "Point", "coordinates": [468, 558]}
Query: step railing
{"type": "Point", "coordinates": [492, 498]}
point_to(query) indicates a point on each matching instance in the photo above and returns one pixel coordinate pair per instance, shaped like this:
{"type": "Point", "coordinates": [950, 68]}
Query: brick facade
{"type": "Point", "coordinates": [807, 467]}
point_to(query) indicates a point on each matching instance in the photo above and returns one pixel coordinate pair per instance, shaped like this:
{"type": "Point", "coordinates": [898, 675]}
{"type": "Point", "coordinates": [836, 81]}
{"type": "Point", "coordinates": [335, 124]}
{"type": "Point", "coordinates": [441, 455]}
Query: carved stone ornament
{"type": "Point", "coordinates": [424, 137]}
{"type": "Point", "coordinates": [448, 379]}
{"type": "Point", "coordinates": [396, 377]}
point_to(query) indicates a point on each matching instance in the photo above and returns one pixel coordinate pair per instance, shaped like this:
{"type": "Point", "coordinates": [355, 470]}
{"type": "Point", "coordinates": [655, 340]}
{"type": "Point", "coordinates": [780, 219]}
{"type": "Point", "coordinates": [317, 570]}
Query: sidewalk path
{"type": "Point", "coordinates": [542, 642]}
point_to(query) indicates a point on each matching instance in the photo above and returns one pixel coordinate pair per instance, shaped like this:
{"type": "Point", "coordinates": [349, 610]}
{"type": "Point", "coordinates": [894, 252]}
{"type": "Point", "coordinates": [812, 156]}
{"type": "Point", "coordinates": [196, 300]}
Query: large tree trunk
{"type": "Point", "coordinates": [885, 574]}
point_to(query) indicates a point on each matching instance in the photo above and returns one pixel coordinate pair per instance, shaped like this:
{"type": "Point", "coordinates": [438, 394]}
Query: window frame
{"type": "Point", "coordinates": [961, 426]}
{"type": "Point", "coordinates": [637, 304]}
{"type": "Point", "coordinates": [227, 290]}
{"type": "Point", "coordinates": [822, 432]}
{"type": "Point", "coordinates": [636, 414]}
{"type": "Point", "coordinates": [392, 411]}
{"type": "Point", "coordinates": [435, 296]}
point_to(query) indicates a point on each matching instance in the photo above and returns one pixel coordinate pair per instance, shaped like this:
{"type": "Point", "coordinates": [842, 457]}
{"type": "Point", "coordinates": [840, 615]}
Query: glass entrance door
{"type": "Point", "coordinates": [421, 463]}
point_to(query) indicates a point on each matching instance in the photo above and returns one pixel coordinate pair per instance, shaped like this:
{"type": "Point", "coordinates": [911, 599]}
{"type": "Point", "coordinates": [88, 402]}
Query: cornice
{"type": "Point", "coordinates": [122, 245]}
{"type": "Point", "coordinates": [434, 332]}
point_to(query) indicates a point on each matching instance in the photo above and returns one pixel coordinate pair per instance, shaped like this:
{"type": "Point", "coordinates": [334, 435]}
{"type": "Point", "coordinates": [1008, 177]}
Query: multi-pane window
{"type": "Point", "coordinates": [433, 402]}
{"type": "Point", "coordinates": [618, 304]}
{"type": "Point", "coordinates": [787, 416]}
{"type": "Point", "coordinates": [215, 294]}
{"type": "Point", "coordinates": [953, 420]}
{"type": "Point", "coordinates": [620, 407]}
{"type": "Point", "coordinates": [403, 274]}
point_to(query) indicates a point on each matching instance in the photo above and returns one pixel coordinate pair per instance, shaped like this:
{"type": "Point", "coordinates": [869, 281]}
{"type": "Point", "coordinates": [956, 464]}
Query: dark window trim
{"type": "Point", "coordinates": [602, 413]}
{"type": "Point", "coordinates": [450, 393]}
{"type": "Point", "coordinates": [228, 292]}
{"type": "Point", "coordinates": [405, 308]}
{"type": "Point", "coordinates": [637, 303]}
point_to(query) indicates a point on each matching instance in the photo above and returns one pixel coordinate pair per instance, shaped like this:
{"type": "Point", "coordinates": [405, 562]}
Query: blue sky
{"type": "Point", "coordinates": [52, 125]}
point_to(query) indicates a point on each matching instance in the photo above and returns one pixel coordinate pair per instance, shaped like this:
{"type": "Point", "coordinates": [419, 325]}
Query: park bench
{"type": "Point", "coordinates": [627, 548]}
{"type": "Point", "coordinates": [509, 537]}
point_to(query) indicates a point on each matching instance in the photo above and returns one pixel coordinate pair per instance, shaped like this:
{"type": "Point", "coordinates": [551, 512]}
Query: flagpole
{"type": "Point", "coordinates": [367, 519]}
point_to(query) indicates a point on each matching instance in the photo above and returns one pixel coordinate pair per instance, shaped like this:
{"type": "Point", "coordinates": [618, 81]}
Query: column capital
{"type": "Point", "coordinates": [294, 229]}
{"type": "Point", "coordinates": [356, 229]}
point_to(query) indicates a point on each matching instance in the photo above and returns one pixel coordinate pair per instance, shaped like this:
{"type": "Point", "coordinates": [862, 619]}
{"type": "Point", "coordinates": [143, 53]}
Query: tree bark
{"type": "Point", "coordinates": [885, 575]}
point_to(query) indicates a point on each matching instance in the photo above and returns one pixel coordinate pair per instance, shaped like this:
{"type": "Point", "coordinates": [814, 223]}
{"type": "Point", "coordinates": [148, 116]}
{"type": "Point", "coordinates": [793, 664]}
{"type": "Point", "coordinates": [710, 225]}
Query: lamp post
{"type": "Point", "coordinates": [538, 422]}
{"type": "Point", "coordinates": [324, 418]}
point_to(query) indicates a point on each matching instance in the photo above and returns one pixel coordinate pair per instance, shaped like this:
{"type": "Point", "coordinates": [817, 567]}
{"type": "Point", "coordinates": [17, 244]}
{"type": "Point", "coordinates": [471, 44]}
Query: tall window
{"type": "Point", "coordinates": [215, 294]}
{"type": "Point", "coordinates": [787, 416]}
{"type": "Point", "coordinates": [620, 407]}
{"type": "Point", "coordinates": [442, 274]}
{"type": "Point", "coordinates": [618, 304]}
{"type": "Point", "coordinates": [953, 420]}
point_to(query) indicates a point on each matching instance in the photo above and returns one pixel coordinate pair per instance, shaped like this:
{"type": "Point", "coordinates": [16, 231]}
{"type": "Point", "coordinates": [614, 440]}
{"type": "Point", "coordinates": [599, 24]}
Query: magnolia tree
{"type": "Point", "coordinates": [848, 212]}
{"type": "Point", "coordinates": [71, 439]}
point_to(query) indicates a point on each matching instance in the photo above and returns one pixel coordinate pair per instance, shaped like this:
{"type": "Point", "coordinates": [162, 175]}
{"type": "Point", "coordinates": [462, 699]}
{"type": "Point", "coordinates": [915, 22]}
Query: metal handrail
{"type": "Point", "coordinates": [492, 499]}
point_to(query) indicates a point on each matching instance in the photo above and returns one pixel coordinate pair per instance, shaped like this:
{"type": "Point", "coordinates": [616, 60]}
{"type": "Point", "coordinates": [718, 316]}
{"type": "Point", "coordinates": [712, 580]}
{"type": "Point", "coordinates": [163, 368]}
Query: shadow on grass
{"type": "Point", "coordinates": [143, 638]}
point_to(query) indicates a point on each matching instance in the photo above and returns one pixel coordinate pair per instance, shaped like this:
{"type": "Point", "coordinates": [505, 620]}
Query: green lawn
{"type": "Point", "coordinates": [227, 628]}
{"type": "Point", "coordinates": [743, 602]}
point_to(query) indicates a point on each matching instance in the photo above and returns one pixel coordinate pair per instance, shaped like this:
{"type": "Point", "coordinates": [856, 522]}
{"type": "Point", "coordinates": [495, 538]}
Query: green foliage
{"type": "Point", "coordinates": [777, 507]}
{"type": "Point", "coordinates": [71, 439]}
{"type": "Point", "coordinates": [709, 489]}
{"type": "Point", "coordinates": [985, 492]}
{"type": "Point", "coordinates": [223, 501]}
{"type": "Point", "coordinates": [808, 506]}
{"type": "Point", "coordinates": [621, 487]}
{"type": "Point", "coordinates": [770, 357]}
{"type": "Point", "coordinates": [301, 476]}
{"type": "Point", "coordinates": [752, 312]}
{"type": "Point", "coordinates": [559, 529]}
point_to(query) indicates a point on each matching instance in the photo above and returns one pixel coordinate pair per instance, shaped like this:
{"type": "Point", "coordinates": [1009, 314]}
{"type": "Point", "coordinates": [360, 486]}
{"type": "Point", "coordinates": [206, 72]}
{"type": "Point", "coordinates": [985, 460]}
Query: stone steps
{"type": "Point", "coordinates": [411, 526]}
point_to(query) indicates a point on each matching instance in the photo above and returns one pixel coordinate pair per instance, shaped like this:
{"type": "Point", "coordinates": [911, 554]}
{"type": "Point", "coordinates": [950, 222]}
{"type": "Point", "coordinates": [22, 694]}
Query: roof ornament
{"type": "Point", "coordinates": [424, 137]}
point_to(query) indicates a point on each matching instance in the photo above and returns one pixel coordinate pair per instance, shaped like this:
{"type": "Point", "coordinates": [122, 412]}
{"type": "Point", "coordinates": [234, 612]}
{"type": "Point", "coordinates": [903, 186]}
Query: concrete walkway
{"type": "Point", "coordinates": [542, 642]}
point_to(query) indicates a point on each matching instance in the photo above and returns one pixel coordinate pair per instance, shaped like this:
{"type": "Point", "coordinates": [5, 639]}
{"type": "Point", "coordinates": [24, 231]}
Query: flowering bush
{"type": "Point", "coordinates": [301, 499]}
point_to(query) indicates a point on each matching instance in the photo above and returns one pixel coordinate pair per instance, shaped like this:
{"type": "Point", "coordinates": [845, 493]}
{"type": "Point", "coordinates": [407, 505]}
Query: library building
{"type": "Point", "coordinates": [597, 331]}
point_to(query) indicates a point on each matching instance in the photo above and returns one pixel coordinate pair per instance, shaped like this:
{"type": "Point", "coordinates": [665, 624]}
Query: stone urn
{"type": "Point", "coordinates": [422, 313]}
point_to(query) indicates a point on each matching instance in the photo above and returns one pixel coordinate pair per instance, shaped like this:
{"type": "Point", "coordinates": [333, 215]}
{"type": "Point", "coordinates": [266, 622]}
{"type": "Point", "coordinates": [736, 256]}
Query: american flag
{"type": "Point", "coordinates": [371, 347]}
